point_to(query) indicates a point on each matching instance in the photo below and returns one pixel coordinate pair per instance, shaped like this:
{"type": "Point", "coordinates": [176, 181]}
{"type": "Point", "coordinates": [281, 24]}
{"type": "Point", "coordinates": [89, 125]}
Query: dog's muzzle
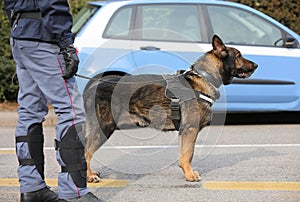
{"type": "Point", "coordinates": [246, 72]}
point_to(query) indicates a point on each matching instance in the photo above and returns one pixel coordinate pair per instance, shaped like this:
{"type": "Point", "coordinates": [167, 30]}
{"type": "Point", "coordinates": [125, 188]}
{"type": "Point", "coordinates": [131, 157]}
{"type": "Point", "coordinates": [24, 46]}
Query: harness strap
{"type": "Point", "coordinates": [178, 91]}
{"type": "Point", "coordinates": [68, 145]}
{"type": "Point", "coordinates": [175, 112]}
{"type": "Point", "coordinates": [28, 139]}
{"type": "Point", "coordinates": [29, 162]}
{"type": "Point", "coordinates": [74, 167]}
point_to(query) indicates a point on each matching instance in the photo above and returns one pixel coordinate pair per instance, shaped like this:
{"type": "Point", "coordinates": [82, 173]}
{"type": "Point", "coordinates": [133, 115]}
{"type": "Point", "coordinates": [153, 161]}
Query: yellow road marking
{"type": "Point", "coordinates": [7, 152]}
{"type": "Point", "coordinates": [13, 182]}
{"type": "Point", "coordinates": [209, 185]}
{"type": "Point", "coordinates": [231, 185]}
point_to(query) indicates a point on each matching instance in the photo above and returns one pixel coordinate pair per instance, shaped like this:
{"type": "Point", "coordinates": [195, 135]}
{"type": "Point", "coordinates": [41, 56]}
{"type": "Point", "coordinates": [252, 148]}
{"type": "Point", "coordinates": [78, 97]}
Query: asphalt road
{"type": "Point", "coordinates": [237, 163]}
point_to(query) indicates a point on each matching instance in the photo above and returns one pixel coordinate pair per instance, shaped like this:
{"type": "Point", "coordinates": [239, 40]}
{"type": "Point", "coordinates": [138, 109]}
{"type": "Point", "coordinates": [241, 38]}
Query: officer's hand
{"type": "Point", "coordinates": [71, 60]}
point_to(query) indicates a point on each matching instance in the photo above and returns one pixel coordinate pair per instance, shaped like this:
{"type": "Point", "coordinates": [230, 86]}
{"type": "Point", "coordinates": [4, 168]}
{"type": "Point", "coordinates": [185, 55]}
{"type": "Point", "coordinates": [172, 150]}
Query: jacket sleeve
{"type": "Point", "coordinates": [8, 7]}
{"type": "Point", "coordinates": [58, 20]}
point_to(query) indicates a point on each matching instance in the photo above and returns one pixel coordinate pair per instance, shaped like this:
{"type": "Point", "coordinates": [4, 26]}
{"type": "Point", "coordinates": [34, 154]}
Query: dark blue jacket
{"type": "Point", "coordinates": [54, 26]}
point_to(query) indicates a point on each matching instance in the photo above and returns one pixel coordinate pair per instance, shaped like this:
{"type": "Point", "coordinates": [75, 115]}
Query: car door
{"type": "Point", "coordinates": [167, 37]}
{"type": "Point", "coordinates": [275, 84]}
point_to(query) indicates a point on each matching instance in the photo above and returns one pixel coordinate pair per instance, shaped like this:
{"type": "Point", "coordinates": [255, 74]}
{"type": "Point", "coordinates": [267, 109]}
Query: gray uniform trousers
{"type": "Point", "coordinates": [39, 70]}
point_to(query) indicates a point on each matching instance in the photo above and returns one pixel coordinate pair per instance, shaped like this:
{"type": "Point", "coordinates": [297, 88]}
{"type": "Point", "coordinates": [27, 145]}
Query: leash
{"type": "Point", "coordinates": [118, 82]}
{"type": "Point", "coordinates": [201, 73]}
{"type": "Point", "coordinates": [169, 80]}
{"type": "Point", "coordinates": [86, 77]}
{"type": "Point", "coordinates": [174, 83]}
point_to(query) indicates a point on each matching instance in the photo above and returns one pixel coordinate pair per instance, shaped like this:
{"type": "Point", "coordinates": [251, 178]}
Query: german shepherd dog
{"type": "Point", "coordinates": [118, 103]}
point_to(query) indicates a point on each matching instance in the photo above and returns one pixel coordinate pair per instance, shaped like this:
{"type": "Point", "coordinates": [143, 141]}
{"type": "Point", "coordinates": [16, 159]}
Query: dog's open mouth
{"type": "Point", "coordinates": [243, 74]}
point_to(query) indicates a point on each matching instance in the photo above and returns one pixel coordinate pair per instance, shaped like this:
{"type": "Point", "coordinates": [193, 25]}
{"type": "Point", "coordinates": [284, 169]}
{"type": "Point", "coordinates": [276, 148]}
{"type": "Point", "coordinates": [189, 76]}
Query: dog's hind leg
{"type": "Point", "coordinates": [95, 139]}
{"type": "Point", "coordinates": [187, 139]}
{"type": "Point", "coordinates": [99, 124]}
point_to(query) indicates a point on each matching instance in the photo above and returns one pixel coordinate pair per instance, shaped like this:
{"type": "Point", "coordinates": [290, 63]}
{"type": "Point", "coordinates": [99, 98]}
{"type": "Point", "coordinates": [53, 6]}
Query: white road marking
{"type": "Point", "coordinates": [175, 146]}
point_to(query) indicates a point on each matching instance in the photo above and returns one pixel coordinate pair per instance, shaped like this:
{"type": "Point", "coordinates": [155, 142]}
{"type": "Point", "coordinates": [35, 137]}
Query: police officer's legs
{"type": "Point", "coordinates": [45, 67]}
{"type": "Point", "coordinates": [29, 138]}
{"type": "Point", "coordinates": [31, 157]}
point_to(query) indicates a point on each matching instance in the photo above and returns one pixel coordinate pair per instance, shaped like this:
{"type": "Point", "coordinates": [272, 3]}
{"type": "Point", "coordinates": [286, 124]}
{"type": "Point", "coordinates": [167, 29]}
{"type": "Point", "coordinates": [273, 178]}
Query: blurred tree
{"type": "Point", "coordinates": [77, 5]}
{"type": "Point", "coordinates": [8, 91]}
{"type": "Point", "coordinates": [284, 11]}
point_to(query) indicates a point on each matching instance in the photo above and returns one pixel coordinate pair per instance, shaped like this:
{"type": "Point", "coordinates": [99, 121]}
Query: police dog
{"type": "Point", "coordinates": [118, 103]}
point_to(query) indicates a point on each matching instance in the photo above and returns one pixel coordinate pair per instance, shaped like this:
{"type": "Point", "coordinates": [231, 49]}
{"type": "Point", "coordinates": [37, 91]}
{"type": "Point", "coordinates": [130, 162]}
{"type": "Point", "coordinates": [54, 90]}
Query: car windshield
{"type": "Point", "coordinates": [83, 16]}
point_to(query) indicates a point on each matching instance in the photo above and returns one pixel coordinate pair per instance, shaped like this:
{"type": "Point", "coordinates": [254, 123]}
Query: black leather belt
{"type": "Point", "coordinates": [31, 15]}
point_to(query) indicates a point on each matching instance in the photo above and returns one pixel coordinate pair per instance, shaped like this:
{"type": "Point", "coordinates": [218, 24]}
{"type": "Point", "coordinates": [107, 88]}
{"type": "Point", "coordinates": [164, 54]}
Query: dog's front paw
{"type": "Point", "coordinates": [94, 178]}
{"type": "Point", "coordinates": [194, 176]}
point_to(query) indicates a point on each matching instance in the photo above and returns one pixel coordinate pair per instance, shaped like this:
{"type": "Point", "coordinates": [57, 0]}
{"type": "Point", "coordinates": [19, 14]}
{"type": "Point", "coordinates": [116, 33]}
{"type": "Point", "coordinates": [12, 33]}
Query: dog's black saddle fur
{"type": "Point", "coordinates": [178, 90]}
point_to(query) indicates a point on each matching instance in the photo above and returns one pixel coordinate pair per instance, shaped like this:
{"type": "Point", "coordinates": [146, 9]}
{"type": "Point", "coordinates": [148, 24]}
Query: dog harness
{"type": "Point", "coordinates": [178, 90]}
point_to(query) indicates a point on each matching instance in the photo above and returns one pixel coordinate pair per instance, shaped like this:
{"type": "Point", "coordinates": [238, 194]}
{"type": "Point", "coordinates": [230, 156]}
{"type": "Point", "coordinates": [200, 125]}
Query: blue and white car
{"type": "Point", "coordinates": [163, 36]}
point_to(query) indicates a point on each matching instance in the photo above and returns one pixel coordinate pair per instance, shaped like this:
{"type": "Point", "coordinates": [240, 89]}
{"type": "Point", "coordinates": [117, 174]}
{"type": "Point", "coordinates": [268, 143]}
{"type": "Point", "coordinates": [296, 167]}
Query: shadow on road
{"type": "Point", "coordinates": [263, 118]}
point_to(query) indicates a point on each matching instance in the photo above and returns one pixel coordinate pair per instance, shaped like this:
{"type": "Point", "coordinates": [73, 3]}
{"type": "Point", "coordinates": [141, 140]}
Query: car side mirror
{"type": "Point", "coordinates": [290, 42]}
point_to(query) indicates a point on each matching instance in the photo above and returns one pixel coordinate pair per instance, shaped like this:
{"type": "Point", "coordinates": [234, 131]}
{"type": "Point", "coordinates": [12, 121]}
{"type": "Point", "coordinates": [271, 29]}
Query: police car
{"type": "Point", "coordinates": [163, 36]}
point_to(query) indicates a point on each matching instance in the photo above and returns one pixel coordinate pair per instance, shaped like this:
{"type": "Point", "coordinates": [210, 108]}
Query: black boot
{"type": "Point", "coordinates": [89, 197]}
{"type": "Point", "coordinates": [42, 195]}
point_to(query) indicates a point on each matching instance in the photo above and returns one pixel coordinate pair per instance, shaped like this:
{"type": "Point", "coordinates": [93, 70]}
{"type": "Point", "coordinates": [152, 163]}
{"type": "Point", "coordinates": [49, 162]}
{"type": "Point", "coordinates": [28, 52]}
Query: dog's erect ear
{"type": "Point", "coordinates": [219, 47]}
{"type": "Point", "coordinates": [217, 43]}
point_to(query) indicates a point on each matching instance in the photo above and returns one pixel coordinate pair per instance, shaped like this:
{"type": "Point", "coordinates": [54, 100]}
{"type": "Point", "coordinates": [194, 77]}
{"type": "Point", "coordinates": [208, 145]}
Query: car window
{"type": "Point", "coordinates": [170, 23]}
{"type": "Point", "coordinates": [83, 16]}
{"type": "Point", "coordinates": [119, 25]}
{"type": "Point", "coordinates": [237, 26]}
